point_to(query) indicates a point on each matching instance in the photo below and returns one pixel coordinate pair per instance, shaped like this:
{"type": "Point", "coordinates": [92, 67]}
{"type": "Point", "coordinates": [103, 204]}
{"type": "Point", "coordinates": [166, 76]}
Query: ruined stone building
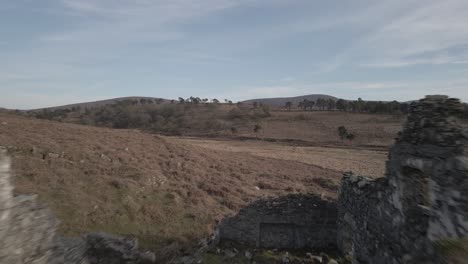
{"type": "Point", "coordinates": [423, 197]}
{"type": "Point", "coordinates": [398, 218]}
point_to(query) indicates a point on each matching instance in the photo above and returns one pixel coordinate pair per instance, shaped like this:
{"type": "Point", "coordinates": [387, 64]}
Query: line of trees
{"type": "Point", "coordinates": [393, 107]}
{"type": "Point", "coordinates": [198, 100]}
{"type": "Point", "coordinates": [183, 116]}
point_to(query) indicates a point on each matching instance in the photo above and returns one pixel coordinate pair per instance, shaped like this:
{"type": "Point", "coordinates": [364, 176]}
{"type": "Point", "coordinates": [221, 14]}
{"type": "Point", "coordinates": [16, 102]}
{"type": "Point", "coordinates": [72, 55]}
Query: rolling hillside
{"type": "Point", "coordinates": [166, 193]}
{"type": "Point", "coordinates": [281, 101]}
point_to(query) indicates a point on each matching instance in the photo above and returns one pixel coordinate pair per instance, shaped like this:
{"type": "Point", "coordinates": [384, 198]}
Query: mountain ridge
{"type": "Point", "coordinates": [281, 101]}
{"type": "Point", "coordinates": [99, 103]}
{"type": "Point", "coordinates": [274, 101]}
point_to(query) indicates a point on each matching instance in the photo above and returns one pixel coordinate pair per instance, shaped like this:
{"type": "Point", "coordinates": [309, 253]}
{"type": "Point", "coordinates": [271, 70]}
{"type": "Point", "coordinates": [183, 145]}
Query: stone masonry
{"type": "Point", "coordinates": [422, 198]}
{"type": "Point", "coordinates": [288, 222]}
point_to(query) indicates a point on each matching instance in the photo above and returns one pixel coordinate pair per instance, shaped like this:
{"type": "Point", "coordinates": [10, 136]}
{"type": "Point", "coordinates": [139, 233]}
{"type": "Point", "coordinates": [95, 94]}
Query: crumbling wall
{"type": "Point", "coordinates": [293, 221]}
{"type": "Point", "coordinates": [367, 220]}
{"type": "Point", "coordinates": [28, 234]}
{"type": "Point", "coordinates": [26, 229]}
{"type": "Point", "coordinates": [423, 197]}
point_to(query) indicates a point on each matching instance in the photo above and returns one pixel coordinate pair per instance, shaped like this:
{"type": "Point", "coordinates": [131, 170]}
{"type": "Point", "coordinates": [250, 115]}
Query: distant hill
{"type": "Point", "coordinates": [281, 101]}
{"type": "Point", "coordinates": [95, 104]}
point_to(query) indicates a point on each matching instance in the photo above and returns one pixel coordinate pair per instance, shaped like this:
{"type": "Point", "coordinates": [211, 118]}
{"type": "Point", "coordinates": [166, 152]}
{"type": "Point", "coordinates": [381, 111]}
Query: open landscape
{"type": "Point", "coordinates": [233, 132]}
{"type": "Point", "coordinates": [167, 191]}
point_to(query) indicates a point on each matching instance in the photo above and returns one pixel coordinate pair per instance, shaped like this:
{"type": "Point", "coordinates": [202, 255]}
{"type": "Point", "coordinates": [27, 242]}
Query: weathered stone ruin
{"type": "Point", "coordinates": [28, 234]}
{"type": "Point", "coordinates": [399, 218]}
{"type": "Point", "coordinates": [288, 222]}
{"type": "Point", "coordinates": [423, 197]}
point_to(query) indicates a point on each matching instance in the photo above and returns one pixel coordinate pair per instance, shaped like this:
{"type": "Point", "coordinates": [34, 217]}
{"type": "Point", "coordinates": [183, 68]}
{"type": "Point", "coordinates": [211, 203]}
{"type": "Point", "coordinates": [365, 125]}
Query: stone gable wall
{"type": "Point", "coordinates": [294, 221]}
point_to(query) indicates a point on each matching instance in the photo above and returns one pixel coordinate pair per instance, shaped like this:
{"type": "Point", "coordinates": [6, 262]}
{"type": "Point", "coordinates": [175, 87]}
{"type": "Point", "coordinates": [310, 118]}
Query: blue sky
{"type": "Point", "coordinates": [55, 52]}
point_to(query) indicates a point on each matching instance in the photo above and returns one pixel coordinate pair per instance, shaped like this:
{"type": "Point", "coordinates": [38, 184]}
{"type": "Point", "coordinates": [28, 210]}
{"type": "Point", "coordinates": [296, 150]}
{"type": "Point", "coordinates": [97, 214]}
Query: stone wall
{"type": "Point", "coordinates": [288, 222]}
{"type": "Point", "coordinates": [422, 198]}
{"type": "Point", "coordinates": [28, 234]}
{"type": "Point", "coordinates": [366, 220]}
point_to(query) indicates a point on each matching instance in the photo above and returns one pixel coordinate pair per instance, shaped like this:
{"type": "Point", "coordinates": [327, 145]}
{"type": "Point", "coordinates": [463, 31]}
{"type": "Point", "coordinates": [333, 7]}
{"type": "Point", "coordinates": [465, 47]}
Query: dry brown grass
{"type": "Point", "coordinates": [453, 251]}
{"type": "Point", "coordinates": [361, 161]}
{"type": "Point", "coordinates": [165, 192]}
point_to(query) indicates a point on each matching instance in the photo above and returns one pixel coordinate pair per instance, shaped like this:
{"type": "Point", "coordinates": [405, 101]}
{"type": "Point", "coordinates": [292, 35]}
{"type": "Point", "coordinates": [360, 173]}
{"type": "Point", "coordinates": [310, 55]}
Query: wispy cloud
{"type": "Point", "coordinates": [436, 59]}
{"type": "Point", "coordinates": [429, 31]}
{"type": "Point", "coordinates": [386, 34]}
{"type": "Point", "coordinates": [134, 21]}
{"type": "Point", "coordinates": [276, 47]}
{"type": "Point", "coordinates": [399, 33]}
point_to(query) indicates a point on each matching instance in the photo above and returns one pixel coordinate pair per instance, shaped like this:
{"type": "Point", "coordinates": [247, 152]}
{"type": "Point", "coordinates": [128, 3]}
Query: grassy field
{"type": "Point", "coordinates": [369, 162]}
{"type": "Point", "coordinates": [320, 127]}
{"type": "Point", "coordinates": [169, 191]}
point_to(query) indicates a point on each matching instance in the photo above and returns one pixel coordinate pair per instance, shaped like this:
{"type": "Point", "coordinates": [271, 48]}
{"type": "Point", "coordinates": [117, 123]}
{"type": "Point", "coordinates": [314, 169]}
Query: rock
{"type": "Point", "coordinates": [147, 257]}
{"type": "Point", "coordinates": [285, 258]}
{"type": "Point", "coordinates": [108, 249]}
{"type": "Point", "coordinates": [325, 258]}
{"type": "Point", "coordinates": [106, 158]}
{"type": "Point", "coordinates": [230, 253]}
{"type": "Point", "coordinates": [362, 183]}
{"type": "Point", "coordinates": [53, 155]}
{"type": "Point", "coordinates": [248, 255]}
{"type": "Point", "coordinates": [313, 259]}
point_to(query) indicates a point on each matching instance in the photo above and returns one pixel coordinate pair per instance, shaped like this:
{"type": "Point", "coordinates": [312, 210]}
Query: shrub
{"type": "Point", "coordinates": [300, 117]}
{"type": "Point", "coordinates": [257, 128]}
{"type": "Point", "coordinates": [342, 132]}
{"type": "Point", "coordinates": [236, 113]}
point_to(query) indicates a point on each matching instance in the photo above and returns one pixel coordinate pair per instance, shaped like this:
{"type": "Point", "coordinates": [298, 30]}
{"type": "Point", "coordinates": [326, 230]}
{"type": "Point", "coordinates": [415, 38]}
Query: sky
{"type": "Point", "coordinates": [55, 52]}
